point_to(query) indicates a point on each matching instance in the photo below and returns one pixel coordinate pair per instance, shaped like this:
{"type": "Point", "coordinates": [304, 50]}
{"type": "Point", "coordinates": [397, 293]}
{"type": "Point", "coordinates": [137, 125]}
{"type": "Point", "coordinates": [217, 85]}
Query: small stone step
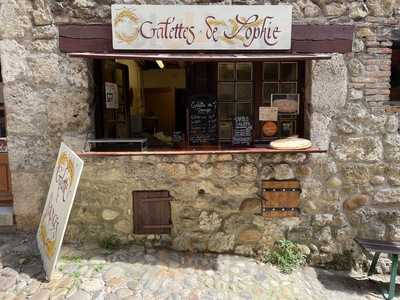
{"type": "Point", "coordinates": [6, 216]}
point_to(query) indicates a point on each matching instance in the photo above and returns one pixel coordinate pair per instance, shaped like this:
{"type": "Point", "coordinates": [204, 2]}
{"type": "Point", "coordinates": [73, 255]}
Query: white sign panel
{"type": "Point", "coordinates": [60, 198]}
{"type": "Point", "coordinates": [201, 27]}
{"type": "Point", "coordinates": [111, 90]}
{"type": "Point", "coordinates": [266, 113]}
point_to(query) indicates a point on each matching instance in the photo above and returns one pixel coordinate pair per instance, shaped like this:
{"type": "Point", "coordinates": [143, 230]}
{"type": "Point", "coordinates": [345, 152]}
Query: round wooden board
{"type": "Point", "coordinates": [269, 129]}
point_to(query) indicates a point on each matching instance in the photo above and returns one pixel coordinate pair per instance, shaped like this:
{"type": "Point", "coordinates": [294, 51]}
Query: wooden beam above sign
{"type": "Point", "coordinates": [97, 38]}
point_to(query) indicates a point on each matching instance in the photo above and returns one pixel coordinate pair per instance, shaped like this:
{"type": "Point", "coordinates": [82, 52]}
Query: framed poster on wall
{"type": "Point", "coordinates": [111, 95]}
{"type": "Point", "coordinates": [286, 103]}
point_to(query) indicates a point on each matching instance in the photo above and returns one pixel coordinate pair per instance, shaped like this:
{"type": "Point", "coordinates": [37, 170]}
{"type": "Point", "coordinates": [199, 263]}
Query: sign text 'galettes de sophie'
{"type": "Point", "coordinates": [197, 27]}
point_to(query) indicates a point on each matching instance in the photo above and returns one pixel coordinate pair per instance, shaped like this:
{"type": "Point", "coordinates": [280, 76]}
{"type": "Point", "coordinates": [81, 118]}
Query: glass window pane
{"type": "Point", "coordinates": [268, 89]}
{"type": "Point", "coordinates": [244, 91]}
{"type": "Point", "coordinates": [244, 71]}
{"type": "Point", "coordinates": [225, 130]}
{"type": "Point", "coordinates": [288, 71]}
{"type": "Point", "coordinates": [288, 88]}
{"type": "Point", "coordinates": [270, 71]}
{"type": "Point", "coordinates": [226, 91]}
{"type": "Point", "coordinates": [244, 109]}
{"type": "Point", "coordinates": [226, 71]}
{"type": "Point", "coordinates": [226, 110]}
{"type": "Point", "coordinates": [287, 128]}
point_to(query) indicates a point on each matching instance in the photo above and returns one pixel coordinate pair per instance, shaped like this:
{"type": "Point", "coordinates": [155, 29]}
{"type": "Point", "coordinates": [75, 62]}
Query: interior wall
{"type": "Point", "coordinates": [164, 78]}
{"type": "Point", "coordinates": [161, 103]}
{"type": "Point", "coordinates": [135, 84]}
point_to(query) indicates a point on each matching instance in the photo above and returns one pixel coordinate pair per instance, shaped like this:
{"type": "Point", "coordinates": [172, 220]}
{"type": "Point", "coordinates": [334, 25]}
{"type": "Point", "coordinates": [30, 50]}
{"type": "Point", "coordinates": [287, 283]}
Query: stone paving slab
{"type": "Point", "coordinates": [88, 272]}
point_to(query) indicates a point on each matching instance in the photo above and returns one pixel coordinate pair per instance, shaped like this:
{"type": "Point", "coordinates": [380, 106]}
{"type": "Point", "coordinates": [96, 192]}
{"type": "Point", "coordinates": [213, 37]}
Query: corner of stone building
{"type": "Point", "coordinates": [38, 80]}
{"type": "Point", "coordinates": [358, 193]}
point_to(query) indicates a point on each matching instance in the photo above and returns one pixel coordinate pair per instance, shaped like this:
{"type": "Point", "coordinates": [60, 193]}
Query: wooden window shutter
{"type": "Point", "coordinates": [152, 212]}
{"type": "Point", "coordinates": [281, 198]}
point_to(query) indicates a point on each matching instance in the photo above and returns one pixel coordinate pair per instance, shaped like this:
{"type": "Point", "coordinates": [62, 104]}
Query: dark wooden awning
{"type": "Point", "coordinates": [202, 56]}
{"type": "Point", "coordinates": [91, 40]}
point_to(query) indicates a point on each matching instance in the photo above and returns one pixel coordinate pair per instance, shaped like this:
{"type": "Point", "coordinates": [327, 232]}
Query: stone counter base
{"type": "Point", "coordinates": [216, 204]}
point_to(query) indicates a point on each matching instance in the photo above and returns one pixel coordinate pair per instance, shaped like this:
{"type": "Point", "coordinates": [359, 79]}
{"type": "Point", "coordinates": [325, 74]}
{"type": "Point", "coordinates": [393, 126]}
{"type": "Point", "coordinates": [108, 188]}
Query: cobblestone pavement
{"type": "Point", "coordinates": [137, 273]}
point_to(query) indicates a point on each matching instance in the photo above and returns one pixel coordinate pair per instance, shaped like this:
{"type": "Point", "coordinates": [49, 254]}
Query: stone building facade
{"type": "Point", "coordinates": [353, 189]}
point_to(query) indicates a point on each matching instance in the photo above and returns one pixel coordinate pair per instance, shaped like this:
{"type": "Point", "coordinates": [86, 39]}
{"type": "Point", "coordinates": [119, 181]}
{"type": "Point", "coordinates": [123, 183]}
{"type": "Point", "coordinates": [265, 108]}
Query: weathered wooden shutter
{"type": "Point", "coordinates": [281, 198]}
{"type": "Point", "coordinates": [152, 212]}
{"type": "Point", "coordinates": [5, 180]}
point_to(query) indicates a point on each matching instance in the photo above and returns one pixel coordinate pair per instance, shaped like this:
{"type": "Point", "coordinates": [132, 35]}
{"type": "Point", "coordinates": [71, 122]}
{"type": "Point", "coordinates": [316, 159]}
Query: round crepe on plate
{"type": "Point", "coordinates": [291, 143]}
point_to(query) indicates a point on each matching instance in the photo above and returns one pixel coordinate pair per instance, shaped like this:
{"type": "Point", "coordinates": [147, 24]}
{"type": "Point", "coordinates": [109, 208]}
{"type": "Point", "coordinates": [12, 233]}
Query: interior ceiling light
{"type": "Point", "coordinates": [160, 64]}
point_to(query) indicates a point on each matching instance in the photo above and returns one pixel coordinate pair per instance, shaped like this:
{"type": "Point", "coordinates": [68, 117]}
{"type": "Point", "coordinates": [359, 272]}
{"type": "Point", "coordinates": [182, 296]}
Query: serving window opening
{"type": "Point", "coordinates": [395, 73]}
{"type": "Point", "coordinates": [170, 105]}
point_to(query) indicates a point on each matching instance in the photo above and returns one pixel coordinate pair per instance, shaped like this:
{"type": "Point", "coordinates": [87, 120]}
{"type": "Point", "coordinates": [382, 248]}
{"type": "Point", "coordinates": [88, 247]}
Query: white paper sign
{"type": "Point", "coordinates": [60, 198]}
{"type": "Point", "coordinates": [111, 90]}
{"type": "Point", "coordinates": [266, 113]}
{"type": "Point", "coordinates": [201, 27]}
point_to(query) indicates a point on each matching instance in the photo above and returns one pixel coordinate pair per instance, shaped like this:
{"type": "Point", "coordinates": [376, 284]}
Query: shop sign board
{"type": "Point", "coordinates": [60, 198]}
{"type": "Point", "coordinates": [201, 27]}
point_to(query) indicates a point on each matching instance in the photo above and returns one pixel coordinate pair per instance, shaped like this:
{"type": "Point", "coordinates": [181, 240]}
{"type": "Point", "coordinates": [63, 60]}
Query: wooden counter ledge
{"type": "Point", "coordinates": [196, 151]}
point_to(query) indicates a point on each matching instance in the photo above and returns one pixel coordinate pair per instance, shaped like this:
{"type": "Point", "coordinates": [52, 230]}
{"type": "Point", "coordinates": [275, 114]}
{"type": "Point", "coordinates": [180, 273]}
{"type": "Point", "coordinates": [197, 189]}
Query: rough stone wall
{"type": "Point", "coordinates": [216, 204]}
{"type": "Point", "coordinates": [353, 189]}
{"type": "Point", "coordinates": [47, 98]}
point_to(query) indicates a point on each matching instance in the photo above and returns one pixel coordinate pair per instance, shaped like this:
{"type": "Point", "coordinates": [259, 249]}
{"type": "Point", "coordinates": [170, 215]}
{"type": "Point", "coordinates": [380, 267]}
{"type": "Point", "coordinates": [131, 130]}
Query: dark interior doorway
{"type": "Point", "coordinates": [395, 72]}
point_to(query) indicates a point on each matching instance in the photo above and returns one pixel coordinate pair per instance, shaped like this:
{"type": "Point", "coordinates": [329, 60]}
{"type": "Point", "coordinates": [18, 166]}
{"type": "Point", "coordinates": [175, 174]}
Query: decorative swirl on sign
{"type": "Point", "coordinates": [49, 245]}
{"type": "Point", "coordinates": [126, 15]}
{"type": "Point", "coordinates": [69, 165]}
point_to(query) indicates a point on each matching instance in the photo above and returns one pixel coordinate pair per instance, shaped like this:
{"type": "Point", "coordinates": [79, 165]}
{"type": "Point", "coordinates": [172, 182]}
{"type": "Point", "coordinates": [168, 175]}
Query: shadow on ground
{"type": "Point", "coordinates": [22, 255]}
{"type": "Point", "coordinates": [161, 274]}
{"type": "Point", "coordinates": [360, 284]}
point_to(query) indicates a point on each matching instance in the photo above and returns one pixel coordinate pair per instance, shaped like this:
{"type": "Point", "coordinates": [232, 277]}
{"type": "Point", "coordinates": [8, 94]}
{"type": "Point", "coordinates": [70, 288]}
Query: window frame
{"type": "Point", "coordinates": [211, 74]}
{"type": "Point", "coordinates": [235, 101]}
{"type": "Point", "coordinates": [259, 99]}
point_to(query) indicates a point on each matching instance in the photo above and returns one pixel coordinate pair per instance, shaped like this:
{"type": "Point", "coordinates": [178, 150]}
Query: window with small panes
{"type": "Point", "coordinates": [235, 95]}
{"type": "Point", "coordinates": [282, 86]}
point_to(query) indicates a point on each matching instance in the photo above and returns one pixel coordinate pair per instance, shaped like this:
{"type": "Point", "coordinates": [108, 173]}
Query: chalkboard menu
{"type": "Point", "coordinates": [203, 120]}
{"type": "Point", "coordinates": [242, 131]}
